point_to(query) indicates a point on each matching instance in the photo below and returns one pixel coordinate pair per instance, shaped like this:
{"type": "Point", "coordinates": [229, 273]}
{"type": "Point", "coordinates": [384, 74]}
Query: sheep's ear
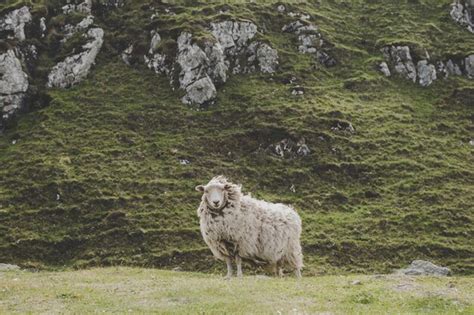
{"type": "Point", "coordinates": [200, 188]}
{"type": "Point", "coordinates": [227, 186]}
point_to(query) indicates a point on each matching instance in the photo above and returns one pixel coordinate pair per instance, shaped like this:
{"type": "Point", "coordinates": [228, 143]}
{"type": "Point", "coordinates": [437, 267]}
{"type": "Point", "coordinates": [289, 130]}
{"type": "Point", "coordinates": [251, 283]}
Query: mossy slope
{"type": "Point", "coordinates": [95, 178]}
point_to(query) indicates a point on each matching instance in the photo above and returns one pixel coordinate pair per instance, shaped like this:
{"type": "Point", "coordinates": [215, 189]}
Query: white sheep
{"type": "Point", "coordinates": [237, 226]}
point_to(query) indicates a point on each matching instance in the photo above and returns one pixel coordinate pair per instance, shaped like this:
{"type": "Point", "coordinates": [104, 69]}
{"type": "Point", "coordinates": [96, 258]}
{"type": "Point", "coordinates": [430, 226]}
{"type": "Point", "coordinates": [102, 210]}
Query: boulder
{"type": "Point", "coordinates": [426, 73]}
{"type": "Point", "coordinates": [462, 12]}
{"type": "Point", "coordinates": [15, 21]}
{"type": "Point", "coordinates": [401, 58]}
{"type": "Point", "coordinates": [75, 68]}
{"type": "Point", "coordinates": [13, 85]}
{"type": "Point", "coordinates": [424, 268]}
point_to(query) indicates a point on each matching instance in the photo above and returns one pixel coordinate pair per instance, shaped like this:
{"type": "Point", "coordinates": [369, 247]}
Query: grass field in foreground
{"type": "Point", "coordinates": [136, 290]}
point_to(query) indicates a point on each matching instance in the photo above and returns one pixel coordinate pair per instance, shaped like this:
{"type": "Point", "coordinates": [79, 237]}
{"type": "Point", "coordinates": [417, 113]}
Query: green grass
{"type": "Point", "coordinates": [400, 188]}
{"type": "Point", "coordinates": [135, 290]}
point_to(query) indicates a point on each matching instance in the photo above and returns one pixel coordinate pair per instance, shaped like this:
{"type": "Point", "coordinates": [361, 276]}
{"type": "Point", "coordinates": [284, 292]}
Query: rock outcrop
{"type": "Point", "coordinates": [402, 61]}
{"type": "Point", "coordinates": [462, 12]}
{"type": "Point", "coordinates": [198, 69]}
{"type": "Point", "coordinates": [13, 85]}
{"type": "Point", "coordinates": [14, 22]}
{"type": "Point", "coordinates": [425, 73]}
{"type": "Point", "coordinates": [310, 41]}
{"type": "Point", "coordinates": [75, 68]}
{"type": "Point", "coordinates": [424, 268]}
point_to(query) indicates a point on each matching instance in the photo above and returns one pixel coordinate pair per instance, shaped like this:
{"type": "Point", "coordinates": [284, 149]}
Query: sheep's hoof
{"type": "Point", "coordinates": [227, 277]}
{"type": "Point", "coordinates": [239, 275]}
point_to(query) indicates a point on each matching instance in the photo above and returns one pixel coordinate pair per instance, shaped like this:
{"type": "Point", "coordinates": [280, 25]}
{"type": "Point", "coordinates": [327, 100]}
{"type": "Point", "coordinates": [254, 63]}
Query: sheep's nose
{"type": "Point", "coordinates": [216, 203]}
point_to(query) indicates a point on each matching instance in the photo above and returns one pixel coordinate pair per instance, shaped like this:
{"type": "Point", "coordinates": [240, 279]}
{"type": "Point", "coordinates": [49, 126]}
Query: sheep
{"type": "Point", "coordinates": [236, 226]}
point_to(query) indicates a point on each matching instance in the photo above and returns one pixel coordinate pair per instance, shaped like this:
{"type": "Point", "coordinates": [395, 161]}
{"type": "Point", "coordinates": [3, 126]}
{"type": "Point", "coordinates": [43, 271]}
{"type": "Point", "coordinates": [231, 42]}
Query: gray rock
{"type": "Point", "coordinates": [281, 8]}
{"type": "Point", "coordinates": [8, 267]}
{"type": "Point", "coordinates": [43, 26]}
{"type": "Point", "coordinates": [383, 67]}
{"type": "Point", "coordinates": [267, 58]}
{"type": "Point", "coordinates": [218, 66]}
{"type": "Point", "coordinates": [75, 68]}
{"type": "Point", "coordinates": [426, 73]}
{"type": "Point", "coordinates": [233, 35]}
{"type": "Point", "coordinates": [13, 85]}
{"type": "Point", "coordinates": [452, 68]}
{"type": "Point", "coordinates": [155, 41]}
{"type": "Point", "coordinates": [192, 61]}
{"type": "Point", "coordinates": [469, 66]}
{"type": "Point", "coordinates": [462, 13]}
{"type": "Point", "coordinates": [200, 92]}
{"type": "Point", "coordinates": [400, 57]}
{"type": "Point", "coordinates": [69, 30]}
{"type": "Point", "coordinates": [424, 268]}
{"type": "Point", "coordinates": [127, 55]}
{"type": "Point", "coordinates": [310, 41]}
{"type": "Point", "coordinates": [83, 7]}
{"type": "Point", "coordinates": [303, 150]}
{"type": "Point", "coordinates": [15, 21]}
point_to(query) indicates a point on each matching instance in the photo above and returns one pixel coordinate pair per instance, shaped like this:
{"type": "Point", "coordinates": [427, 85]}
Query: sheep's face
{"type": "Point", "coordinates": [215, 194]}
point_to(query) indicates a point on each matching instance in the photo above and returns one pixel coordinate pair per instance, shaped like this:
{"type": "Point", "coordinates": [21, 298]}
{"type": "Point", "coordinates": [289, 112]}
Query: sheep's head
{"type": "Point", "coordinates": [216, 194]}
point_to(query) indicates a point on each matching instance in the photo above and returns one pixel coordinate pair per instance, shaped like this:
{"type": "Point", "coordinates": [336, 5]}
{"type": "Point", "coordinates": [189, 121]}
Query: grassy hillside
{"type": "Point", "coordinates": [134, 290]}
{"type": "Point", "coordinates": [94, 176]}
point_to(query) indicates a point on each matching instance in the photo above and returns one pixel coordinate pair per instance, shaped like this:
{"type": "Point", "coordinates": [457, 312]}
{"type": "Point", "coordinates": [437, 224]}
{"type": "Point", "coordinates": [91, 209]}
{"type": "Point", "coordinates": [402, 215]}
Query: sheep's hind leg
{"type": "Point", "coordinates": [298, 273]}
{"type": "Point", "coordinates": [238, 261]}
{"type": "Point", "coordinates": [228, 261]}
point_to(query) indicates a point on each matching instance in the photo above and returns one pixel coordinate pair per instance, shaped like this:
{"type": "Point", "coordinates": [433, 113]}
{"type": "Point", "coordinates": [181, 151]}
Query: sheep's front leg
{"type": "Point", "coordinates": [228, 261]}
{"type": "Point", "coordinates": [238, 261]}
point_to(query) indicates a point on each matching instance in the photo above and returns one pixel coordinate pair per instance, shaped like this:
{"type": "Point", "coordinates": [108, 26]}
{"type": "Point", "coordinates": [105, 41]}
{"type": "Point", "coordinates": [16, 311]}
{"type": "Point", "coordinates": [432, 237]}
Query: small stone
{"type": "Point", "coordinates": [184, 162]}
{"type": "Point", "coordinates": [424, 268]}
{"type": "Point", "coordinates": [303, 150]}
{"type": "Point", "coordinates": [356, 282]}
{"type": "Point", "coordinates": [8, 267]}
{"type": "Point", "coordinates": [281, 8]}
{"type": "Point", "coordinates": [471, 142]}
{"type": "Point", "coordinates": [297, 90]}
{"type": "Point", "coordinates": [292, 188]}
